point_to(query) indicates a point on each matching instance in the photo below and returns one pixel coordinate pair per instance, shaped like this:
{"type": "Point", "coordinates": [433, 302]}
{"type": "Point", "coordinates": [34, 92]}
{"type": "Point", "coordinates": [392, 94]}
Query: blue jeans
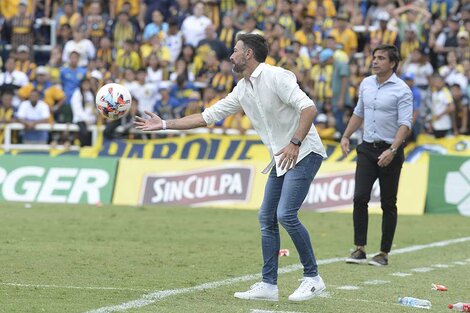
{"type": "Point", "coordinates": [283, 197]}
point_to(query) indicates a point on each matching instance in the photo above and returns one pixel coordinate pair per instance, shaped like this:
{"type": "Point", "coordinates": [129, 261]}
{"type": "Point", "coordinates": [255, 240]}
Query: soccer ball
{"type": "Point", "coordinates": [113, 101]}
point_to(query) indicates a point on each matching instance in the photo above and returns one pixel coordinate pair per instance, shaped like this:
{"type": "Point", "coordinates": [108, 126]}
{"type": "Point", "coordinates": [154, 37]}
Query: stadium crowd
{"type": "Point", "coordinates": [173, 56]}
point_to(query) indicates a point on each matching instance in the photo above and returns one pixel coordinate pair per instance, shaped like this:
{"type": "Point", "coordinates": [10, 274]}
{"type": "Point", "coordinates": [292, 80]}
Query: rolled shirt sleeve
{"type": "Point", "coordinates": [222, 108]}
{"type": "Point", "coordinates": [405, 109]}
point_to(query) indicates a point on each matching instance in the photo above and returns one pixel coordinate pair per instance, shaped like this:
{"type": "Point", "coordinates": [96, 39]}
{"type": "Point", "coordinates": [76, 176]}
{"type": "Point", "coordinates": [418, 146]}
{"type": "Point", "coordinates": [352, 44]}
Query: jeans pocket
{"type": "Point", "coordinates": [313, 164]}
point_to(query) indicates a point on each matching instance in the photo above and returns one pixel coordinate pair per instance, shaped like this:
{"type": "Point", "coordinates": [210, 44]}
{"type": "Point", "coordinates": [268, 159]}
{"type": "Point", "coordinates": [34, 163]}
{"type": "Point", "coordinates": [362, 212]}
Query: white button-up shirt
{"type": "Point", "coordinates": [272, 100]}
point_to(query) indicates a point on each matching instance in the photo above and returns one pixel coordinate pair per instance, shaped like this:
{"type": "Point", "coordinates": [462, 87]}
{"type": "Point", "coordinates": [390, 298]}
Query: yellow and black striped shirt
{"type": "Point", "coordinates": [388, 37]}
{"type": "Point", "coordinates": [222, 81]}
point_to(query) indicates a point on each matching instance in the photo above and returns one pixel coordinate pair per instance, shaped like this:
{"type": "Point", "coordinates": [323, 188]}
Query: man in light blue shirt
{"type": "Point", "coordinates": [70, 76]}
{"type": "Point", "coordinates": [385, 107]}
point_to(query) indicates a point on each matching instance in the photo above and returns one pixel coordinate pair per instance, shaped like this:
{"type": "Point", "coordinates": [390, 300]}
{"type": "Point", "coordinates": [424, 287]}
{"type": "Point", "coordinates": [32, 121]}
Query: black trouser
{"type": "Point", "coordinates": [83, 134]}
{"type": "Point", "coordinates": [367, 171]}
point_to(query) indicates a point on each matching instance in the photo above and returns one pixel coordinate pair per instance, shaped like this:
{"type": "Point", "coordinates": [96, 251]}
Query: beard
{"type": "Point", "coordinates": [240, 67]}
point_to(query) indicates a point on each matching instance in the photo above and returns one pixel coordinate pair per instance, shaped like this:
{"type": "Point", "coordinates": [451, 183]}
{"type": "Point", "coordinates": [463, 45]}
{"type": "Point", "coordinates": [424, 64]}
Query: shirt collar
{"type": "Point", "coordinates": [258, 70]}
{"type": "Point", "coordinates": [392, 79]}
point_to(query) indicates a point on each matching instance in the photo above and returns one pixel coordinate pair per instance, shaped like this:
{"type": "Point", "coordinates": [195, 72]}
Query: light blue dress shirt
{"type": "Point", "coordinates": [384, 108]}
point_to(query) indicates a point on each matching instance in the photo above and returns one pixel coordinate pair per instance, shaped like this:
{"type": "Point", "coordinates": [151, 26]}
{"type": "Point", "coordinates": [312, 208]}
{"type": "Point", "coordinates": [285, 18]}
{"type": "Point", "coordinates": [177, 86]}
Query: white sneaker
{"type": "Point", "coordinates": [309, 288]}
{"type": "Point", "coordinates": [259, 291]}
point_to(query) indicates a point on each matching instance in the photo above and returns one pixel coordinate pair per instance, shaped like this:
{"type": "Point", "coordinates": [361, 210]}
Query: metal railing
{"type": "Point", "coordinates": [94, 129]}
{"type": "Point", "coordinates": [53, 36]}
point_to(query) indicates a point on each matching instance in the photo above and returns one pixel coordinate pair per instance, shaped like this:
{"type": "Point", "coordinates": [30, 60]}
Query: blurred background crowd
{"type": "Point", "coordinates": [173, 56]}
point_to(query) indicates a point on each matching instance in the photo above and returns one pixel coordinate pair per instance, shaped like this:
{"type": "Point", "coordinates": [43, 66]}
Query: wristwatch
{"type": "Point", "coordinates": [394, 150]}
{"type": "Point", "coordinates": [296, 141]}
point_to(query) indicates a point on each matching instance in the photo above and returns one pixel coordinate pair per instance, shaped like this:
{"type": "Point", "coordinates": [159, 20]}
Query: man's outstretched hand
{"type": "Point", "coordinates": [153, 123]}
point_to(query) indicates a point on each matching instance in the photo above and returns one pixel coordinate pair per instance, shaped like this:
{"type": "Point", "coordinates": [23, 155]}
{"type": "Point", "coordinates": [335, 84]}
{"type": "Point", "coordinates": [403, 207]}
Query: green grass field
{"type": "Point", "coordinates": [59, 258]}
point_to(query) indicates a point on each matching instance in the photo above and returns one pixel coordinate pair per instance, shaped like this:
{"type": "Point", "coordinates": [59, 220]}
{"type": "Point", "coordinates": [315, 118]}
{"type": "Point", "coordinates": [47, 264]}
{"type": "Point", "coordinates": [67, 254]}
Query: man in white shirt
{"type": "Point", "coordinates": [30, 113]}
{"type": "Point", "coordinates": [80, 44]}
{"type": "Point", "coordinates": [174, 40]}
{"type": "Point", "coordinates": [283, 115]}
{"type": "Point", "coordinates": [194, 26]}
{"type": "Point", "coordinates": [13, 77]}
{"type": "Point", "coordinates": [146, 93]}
{"type": "Point", "coordinates": [442, 108]}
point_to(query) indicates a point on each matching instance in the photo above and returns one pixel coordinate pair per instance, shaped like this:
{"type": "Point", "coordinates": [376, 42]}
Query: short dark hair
{"type": "Point", "coordinates": [6, 91]}
{"type": "Point", "coordinates": [257, 43]}
{"type": "Point", "coordinates": [393, 54]}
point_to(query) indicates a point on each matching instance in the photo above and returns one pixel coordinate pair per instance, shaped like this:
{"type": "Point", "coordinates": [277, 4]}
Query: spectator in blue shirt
{"type": "Point", "coordinates": [168, 106]}
{"type": "Point", "coordinates": [156, 26]}
{"type": "Point", "coordinates": [182, 90]}
{"type": "Point", "coordinates": [71, 75]}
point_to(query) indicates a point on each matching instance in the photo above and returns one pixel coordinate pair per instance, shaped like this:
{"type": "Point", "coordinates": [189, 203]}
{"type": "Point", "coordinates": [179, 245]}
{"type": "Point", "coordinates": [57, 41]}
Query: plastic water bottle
{"type": "Point", "coordinates": [414, 302]}
{"type": "Point", "coordinates": [460, 307]}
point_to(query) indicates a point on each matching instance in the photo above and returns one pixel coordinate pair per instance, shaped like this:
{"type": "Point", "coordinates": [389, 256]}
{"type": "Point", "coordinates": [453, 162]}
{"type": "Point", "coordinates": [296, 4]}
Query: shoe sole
{"type": "Point", "coordinates": [373, 263]}
{"type": "Point", "coordinates": [316, 293]}
{"type": "Point", "coordinates": [356, 261]}
{"type": "Point", "coordinates": [262, 299]}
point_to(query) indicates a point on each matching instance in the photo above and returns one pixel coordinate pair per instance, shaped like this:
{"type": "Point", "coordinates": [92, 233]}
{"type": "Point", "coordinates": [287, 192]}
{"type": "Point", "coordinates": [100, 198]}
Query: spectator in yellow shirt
{"type": "Point", "coordinates": [321, 75]}
{"type": "Point", "coordinates": [307, 29]}
{"type": "Point", "coordinates": [328, 5]}
{"type": "Point", "coordinates": [6, 107]}
{"type": "Point", "coordinates": [7, 112]}
{"type": "Point", "coordinates": [54, 65]}
{"type": "Point", "coordinates": [118, 5]}
{"type": "Point", "coordinates": [136, 10]}
{"type": "Point", "coordinates": [105, 52]}
{"type": "Point", "coordinates": [344, 35]}
{"type": "Point", "coordinates": [96, 21]}
{"type": "Point", "coordinates": [123, 29]}
{"type": "Point", "coordinates": [127, 57]}
{"type": "Point", "coordinates": [285, 17]}
{"type": "Point", "coordinates": [50, 93]}
{"type": "Point", "coordinates": [23, 62]}
{"type": "Point", "coordinates": [155, 46]}
{"type": "Point", "coordinates": [70, 16]}
{"type": "Point", "coordinates": [224, 79]}
{"type": "Point", "coordinates": [22, 27]}
{"type": "Point", "coordinates": [9, 8]}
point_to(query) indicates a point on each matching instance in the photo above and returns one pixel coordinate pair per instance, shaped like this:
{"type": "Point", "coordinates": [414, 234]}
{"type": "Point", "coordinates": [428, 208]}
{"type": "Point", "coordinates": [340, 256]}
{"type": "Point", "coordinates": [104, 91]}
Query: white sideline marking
{"type": "Point", "coordinates": [376, 282]}
{"type": "Point", "coordinates": [266, 311]}
{"type": "Point", "coordinates": [460, 263]}
{"type": "Point", "coordinates": [71, 287]}
{"type": "Point", "coordinates": [440, 265]}
{"type": "Point", "coordinates": [367, 301]}
{"type": "Point", "coordinates": [153, 297]}
{"type": "Point", "coordinates": [348, 288]}
{"type": "Point", "coordinates": [422, 269]}
{"type": "Point", "coordinates": [400, 274]}
{"type": "Point", "coordinates": [337, 298]}
{"type": "Point", "coordinates": [430, 245]}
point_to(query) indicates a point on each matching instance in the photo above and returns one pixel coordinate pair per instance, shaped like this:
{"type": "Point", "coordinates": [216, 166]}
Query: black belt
{"type": "Point", "coordinates": [378, 144]}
